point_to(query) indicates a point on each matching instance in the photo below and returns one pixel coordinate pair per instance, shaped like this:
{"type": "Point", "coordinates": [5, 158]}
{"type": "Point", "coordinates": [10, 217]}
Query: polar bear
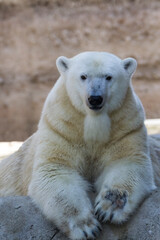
{"type": "Point", "coordinates": [91, 133]}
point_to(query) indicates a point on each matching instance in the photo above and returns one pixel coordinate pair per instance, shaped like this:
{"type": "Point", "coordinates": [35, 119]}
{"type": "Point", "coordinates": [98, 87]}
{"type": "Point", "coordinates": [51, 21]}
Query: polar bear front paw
{"type": "Point", "coordinates": [110, 206]}
{"type": "Point", "coordinates": [84, 229]}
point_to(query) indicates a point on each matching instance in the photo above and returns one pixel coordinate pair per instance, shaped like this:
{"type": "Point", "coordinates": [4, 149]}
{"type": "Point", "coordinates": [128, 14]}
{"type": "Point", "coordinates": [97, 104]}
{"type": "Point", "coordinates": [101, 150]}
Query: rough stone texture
{"type": "Point", "coordinates": [33, 36]}
{"type": "Point", "coordinates": [21, 219]}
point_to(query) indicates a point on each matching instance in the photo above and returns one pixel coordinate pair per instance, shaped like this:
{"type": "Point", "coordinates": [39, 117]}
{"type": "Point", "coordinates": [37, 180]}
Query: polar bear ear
{"type": "Point", "coordinates": [130, 65]}
{"type": "Point", "coordinates": [62, 64]}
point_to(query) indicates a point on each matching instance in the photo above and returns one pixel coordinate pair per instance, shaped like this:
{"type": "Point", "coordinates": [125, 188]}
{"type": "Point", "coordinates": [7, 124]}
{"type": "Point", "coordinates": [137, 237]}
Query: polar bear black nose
{"type": "Point", "coordinates": [95, 100]}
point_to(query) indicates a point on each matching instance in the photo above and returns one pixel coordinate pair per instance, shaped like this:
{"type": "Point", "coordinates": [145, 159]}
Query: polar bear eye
{"type": "Point", "coordinates": [108, 78]}
{"type": "Point", "coordinates": [83, 77]}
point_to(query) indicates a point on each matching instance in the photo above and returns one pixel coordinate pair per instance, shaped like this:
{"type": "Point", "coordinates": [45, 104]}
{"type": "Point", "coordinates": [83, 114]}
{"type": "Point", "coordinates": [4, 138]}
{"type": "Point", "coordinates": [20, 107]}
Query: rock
{"type": "Point", "coordinates": [21, 219]}
{"type": "Point", "coordinates": [33, 33]}
{"type": "Point", "coordinates": [1, 81]}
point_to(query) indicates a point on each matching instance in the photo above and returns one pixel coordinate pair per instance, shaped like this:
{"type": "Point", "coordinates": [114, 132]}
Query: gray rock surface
{"type": "Point", "coordinates": [20, 219]}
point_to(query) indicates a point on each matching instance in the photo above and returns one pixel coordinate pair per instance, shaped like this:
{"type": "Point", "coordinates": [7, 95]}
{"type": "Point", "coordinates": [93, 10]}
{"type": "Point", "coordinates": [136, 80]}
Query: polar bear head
{"type": "Point", "coordinates": [96, 81]}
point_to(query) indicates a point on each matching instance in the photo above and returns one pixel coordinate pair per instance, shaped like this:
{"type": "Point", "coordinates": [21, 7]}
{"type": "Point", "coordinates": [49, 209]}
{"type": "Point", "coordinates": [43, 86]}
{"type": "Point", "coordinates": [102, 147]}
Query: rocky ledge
{"type": "Point", "coordinates": [21, 219]}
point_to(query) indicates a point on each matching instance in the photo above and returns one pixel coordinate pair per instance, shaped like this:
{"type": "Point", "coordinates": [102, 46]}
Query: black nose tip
{"type": "Point", "coordinates": [95, 100]}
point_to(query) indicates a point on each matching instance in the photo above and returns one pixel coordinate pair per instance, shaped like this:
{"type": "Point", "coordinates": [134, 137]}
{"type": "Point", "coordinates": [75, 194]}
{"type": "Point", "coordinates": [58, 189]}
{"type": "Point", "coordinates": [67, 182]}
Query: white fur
{"type": "Point", "coordinates": [97, 128]}
{"type": "Point", "coordinates": [75, 146]}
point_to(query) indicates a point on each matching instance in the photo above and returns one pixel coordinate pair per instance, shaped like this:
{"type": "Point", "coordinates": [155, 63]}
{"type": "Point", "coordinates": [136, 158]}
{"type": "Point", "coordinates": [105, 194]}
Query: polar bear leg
{"type": "Point", "coordinates": [121, 189]}
{"type": "Point", "coordinates": [62, 196]}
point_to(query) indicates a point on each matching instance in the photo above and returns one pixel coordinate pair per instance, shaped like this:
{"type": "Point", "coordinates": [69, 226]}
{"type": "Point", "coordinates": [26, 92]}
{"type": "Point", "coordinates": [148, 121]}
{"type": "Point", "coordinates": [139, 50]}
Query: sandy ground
{"type": "Point", "coordinates": [34, 33]}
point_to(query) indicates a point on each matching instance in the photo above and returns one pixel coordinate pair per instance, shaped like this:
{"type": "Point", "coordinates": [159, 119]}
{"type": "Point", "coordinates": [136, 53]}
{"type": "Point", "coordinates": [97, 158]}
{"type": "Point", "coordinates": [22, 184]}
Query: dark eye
{"type": "Point", "coordinates": [83, 77]}
{"type": "Point", "coordinates": [108, 78]}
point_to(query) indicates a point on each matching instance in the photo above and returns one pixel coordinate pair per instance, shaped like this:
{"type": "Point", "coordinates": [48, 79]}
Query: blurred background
{"type": "Point", "coordinates": [33, 33]}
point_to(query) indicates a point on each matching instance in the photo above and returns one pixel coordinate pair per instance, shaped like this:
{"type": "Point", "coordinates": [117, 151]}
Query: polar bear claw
{"type": "Point", "coordinates": [108, 203]}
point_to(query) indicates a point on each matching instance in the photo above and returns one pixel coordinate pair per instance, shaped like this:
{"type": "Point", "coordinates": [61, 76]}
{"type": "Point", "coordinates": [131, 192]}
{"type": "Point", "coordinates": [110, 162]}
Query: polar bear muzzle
{"type": "Point", "coordinates": [95, 102]}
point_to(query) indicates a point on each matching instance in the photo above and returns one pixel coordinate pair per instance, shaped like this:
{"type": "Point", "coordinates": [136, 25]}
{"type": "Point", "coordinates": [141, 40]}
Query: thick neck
{"type": "Point", "coordinates": [66, 120]}
{"type": "Point", "coordinates": [61, 115]}
{"type": "Point", "coordinates": [129, 117]}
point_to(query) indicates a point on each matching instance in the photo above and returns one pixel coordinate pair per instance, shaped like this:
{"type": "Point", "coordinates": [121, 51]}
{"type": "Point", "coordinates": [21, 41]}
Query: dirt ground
{"type": "Point", "coordinates": [34, 33]}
